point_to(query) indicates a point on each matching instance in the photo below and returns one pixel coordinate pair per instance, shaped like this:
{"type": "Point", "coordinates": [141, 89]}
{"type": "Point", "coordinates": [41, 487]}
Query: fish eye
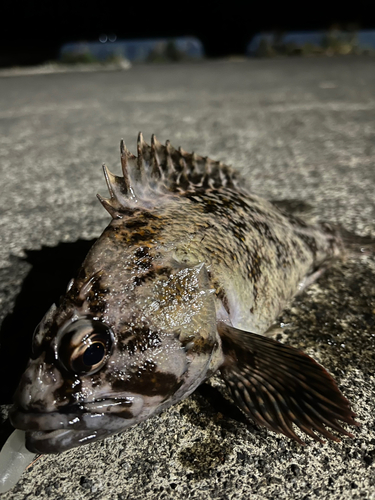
{"type": "Point", "coordinates": [85, 345]}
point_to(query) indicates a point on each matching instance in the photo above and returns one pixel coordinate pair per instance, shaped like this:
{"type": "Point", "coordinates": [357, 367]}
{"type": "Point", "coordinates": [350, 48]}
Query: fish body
{"type": "Point", "coordinates": [189, 275]}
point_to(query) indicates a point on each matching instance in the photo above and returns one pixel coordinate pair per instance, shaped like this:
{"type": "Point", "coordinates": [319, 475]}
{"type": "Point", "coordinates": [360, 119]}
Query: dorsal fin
{"type": "Point", "coordinates": [158, 170]}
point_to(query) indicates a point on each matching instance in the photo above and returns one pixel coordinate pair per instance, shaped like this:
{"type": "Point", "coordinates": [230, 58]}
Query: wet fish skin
{"type": "Point", "coordinates": [191, 269]}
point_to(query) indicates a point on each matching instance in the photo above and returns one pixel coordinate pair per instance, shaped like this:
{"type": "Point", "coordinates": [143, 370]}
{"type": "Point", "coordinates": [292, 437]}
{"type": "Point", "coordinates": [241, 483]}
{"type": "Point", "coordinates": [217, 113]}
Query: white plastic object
{"type": "Point", "coordinates": [14, 458]}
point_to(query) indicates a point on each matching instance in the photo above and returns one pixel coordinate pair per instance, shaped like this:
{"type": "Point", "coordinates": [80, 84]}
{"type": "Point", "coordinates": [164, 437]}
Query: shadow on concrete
{"type": "Point", "coordinates": [220, 404]}
{"type": "Point", "coordinates": [51, 269]}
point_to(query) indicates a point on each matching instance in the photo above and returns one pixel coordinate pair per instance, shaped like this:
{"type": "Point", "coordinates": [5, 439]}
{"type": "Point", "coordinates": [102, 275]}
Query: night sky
{"type": "Point", "coordinates": [32, 31]}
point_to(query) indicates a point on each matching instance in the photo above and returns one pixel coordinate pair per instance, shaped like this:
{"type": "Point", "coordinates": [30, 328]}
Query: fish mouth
{"type": "Point", "coordinates": [60, 440]}
{"type": "Point", "coordinates": [74, 425]}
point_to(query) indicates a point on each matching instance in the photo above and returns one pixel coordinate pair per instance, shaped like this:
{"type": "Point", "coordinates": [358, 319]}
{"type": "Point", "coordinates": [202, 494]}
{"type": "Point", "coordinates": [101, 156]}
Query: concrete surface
{"type": "Point", "coordinates": [298, 128]}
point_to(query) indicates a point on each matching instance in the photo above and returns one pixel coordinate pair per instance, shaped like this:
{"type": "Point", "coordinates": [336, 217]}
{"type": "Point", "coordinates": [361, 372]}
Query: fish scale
{"type": "Point", "coordinates": [185, 282]}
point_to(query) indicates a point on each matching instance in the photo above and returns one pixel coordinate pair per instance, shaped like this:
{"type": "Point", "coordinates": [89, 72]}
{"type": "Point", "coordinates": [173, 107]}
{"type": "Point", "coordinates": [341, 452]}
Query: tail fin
{"type": "Point", "coordinates": [352, 244]}
{"type": "Point", "coordinates": [357, 245]}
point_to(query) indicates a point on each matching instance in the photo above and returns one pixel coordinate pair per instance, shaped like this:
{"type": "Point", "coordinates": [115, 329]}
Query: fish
{"type": "Point", "coordinates": [186, 281]}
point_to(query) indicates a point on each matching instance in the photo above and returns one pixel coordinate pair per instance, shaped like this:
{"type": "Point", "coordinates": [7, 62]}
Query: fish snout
{"type": "Point", "coordinates": [37, 387]}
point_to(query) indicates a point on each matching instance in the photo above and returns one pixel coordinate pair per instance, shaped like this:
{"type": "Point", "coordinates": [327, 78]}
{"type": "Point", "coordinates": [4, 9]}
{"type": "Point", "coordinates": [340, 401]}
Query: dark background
{"type": "Point", "coordinates": [33, 31]}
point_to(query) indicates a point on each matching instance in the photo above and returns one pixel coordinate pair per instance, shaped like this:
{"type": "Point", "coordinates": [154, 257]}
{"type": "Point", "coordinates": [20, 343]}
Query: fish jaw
{"type": "Point", "coordinates": [61, 440]}
{"type": "Point", "coordinates": [54, 432]}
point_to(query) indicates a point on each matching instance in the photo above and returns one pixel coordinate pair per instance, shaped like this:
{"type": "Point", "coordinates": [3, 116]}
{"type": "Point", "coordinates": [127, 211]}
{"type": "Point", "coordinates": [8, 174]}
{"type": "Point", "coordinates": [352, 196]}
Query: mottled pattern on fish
{"type": "Point", "coordinates": [267, 252]}
{"type": "Point", "coordinates": [179, 285]}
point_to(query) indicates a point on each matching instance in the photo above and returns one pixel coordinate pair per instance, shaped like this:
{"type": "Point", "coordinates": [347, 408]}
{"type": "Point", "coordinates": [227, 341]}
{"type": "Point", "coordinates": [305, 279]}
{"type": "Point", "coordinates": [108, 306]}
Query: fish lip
{"type": "Point", "coordinates": [75, 416]}
{"type": "Point", "coordinates": [72, 425]}
{"type": "Point", "coordinates": [76, 424]}
{"type": "Point", "coordinates": [46, 421]}
{"type": "Point", "coordinates": [57, 441]}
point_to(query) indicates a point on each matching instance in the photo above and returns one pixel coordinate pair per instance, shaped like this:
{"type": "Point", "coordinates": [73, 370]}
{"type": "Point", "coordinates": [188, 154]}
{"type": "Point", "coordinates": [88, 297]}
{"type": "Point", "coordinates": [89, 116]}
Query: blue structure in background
{"type": "Point", "coordinates": [365, 39]}
{"type": "Point", "coordinates": [135, 50]}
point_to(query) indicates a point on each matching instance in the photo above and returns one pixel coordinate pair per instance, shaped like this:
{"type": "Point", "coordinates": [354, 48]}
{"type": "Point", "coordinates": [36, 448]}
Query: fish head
{"type": "Point", "coordinates": [126, 341]}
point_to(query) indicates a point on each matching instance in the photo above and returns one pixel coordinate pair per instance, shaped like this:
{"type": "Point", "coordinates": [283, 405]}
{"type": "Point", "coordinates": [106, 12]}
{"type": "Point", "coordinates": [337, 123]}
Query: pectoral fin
{"type": "Point", "coordinates": [277, 386]}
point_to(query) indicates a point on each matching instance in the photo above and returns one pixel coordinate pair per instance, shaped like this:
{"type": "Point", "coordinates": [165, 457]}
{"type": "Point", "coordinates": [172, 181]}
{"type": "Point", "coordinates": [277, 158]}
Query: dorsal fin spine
{"type": "Point", "coordinates": [182, 152]}
{"type": "Point", "coordinates": [183, 180]}
{"type": "Point", "coordinates": [123, 149]}
{"type": "Point", "coordinates": [140, 170]}
{"type": "Point", "coordinates": [161, 169]}
{"type": "Point", "coordinates": [156, 171]}
{"type": "Point", "coordinates": [154, 142]}
{"type": "Point", "coordinates": [124, 168]}
{"type": "Point", "coordinates": [169, 160]}
{"type": "Point", "coordinates": [114, 212]}
{"type": "Point", "coordinates": [109, 180]}
{"type": "Point", "coordinates": [116, 186]}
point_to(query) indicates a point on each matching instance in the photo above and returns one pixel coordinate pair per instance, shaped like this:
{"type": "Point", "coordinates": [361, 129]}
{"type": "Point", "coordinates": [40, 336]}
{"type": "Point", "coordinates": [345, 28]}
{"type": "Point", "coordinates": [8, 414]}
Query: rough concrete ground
{"type": "Point", "coordinates": [297, 128]}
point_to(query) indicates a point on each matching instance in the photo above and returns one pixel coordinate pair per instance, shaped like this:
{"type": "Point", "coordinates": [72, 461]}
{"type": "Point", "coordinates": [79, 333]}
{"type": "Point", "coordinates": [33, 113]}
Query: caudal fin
{"type": "Point", "coordinates": [355, 244]}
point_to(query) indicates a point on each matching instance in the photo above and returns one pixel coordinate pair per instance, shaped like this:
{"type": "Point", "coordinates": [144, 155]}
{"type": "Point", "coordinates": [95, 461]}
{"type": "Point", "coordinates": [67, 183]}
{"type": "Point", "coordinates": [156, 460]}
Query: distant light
{"type": "Point", "coordinates": [103, 38]}
{"type": "Point", "coordinates": [112, 37]}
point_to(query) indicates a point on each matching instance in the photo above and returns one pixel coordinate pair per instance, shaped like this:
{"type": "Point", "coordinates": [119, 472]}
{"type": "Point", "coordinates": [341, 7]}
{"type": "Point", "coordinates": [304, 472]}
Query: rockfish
{"type": "Point", "coordinates": [186, 281]}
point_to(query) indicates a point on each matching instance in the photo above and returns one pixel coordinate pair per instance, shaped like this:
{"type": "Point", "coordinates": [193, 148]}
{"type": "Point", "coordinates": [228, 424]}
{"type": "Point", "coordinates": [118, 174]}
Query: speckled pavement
{"type": "Point", "coordinates": [298, 128]}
